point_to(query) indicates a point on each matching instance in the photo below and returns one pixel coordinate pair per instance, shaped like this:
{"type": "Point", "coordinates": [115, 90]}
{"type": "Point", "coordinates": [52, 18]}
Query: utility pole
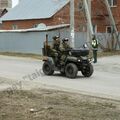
{"type": "Point", "coordinates": [88, 15]}
{"type": "Point", "coordinates": [88, 30]}
{"type": "Point", "coordinates": [72, 23]}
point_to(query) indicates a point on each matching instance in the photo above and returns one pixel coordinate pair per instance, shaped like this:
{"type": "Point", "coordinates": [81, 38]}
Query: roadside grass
{"type": "Point", "coordinates": [37, 56]}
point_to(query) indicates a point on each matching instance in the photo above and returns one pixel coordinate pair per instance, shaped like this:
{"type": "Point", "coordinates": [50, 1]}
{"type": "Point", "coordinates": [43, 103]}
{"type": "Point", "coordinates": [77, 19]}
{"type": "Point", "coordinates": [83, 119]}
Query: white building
{"type": "Point", "coordinates": [5, 4]}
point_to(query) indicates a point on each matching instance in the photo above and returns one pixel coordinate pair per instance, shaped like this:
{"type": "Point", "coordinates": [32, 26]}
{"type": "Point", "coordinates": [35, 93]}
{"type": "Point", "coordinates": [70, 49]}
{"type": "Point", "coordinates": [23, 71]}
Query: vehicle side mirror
{"type": "Point", "coordinates": [85, 46]}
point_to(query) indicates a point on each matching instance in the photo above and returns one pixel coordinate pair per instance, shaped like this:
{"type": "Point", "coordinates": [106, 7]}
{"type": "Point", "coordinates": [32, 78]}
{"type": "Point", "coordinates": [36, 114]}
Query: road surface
{"type": "Point", "coordinates": [105, 81]}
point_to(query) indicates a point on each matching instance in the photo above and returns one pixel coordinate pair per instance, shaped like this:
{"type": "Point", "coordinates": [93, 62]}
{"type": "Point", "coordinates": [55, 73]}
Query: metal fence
{"type": "Point", "coordinates": [28, 41]}
{"type": "Point", "coordinates": [32, 41]}
{"type": "Point", "coordinates": [107, 42]}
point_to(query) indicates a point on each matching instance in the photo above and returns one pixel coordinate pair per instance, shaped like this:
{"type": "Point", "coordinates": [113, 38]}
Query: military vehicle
{"type": "Point", "coordinates": [75, 60]}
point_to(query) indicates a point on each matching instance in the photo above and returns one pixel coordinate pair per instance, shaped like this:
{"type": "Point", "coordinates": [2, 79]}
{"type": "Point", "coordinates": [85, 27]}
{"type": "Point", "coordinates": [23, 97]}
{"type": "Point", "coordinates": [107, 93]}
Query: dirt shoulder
{"type": "Point", "coordinates": [45, 104]}
{"type": "Point", "coordinates": [23, 55]}
{"type": "Point", "coordinates": [40, 57]}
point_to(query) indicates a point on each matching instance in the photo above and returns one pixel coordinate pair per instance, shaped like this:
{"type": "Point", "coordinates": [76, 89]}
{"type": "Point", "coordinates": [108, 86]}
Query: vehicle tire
{"type": "Point", "coordinates": [71, 70]}
{"type": "Point", "coordinates": [48, 68]}
{"type": "Point", "coordinates": [88, 70]}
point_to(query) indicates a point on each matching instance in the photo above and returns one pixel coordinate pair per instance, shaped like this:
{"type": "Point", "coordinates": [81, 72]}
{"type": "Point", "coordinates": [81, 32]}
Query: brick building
{"type": "Point", "coordinates": [4, 6]}
{"type": "Point", "coordinates": [100, 16]}
{"type": "Point", "coordinates": [25, 16]}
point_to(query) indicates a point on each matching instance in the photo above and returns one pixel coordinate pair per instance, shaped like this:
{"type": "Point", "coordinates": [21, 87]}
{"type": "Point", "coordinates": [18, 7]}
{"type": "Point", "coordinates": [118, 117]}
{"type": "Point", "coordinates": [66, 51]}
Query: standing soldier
{"type": "Point", "coordinates": [95, 48]}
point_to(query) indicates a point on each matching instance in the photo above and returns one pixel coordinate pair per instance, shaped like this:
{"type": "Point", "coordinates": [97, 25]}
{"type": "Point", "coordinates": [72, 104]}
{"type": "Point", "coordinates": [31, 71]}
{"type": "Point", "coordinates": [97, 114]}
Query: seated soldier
{"type": "Point", "coordinates": [56, 43]}
{"type": "Point", "coordinates": [55, 50]}
{"type": "Point", "coordinates": [64, 47]}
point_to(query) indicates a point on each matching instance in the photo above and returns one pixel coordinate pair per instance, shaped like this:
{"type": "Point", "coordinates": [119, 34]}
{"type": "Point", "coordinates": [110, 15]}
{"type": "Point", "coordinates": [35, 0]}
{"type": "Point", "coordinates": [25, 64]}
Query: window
{"type": "Point", "coordinates": [95, 28]}
{"type": "Point", "coordinates": [35, 25]}
{"type": "Point", "coordinates": [0, 25]}
{"type": "Point", "coordinates": [14, 27]}
{"type": "Point", "coordinates": [113, 3]}
{"type": "Point", "coordinates": [80, 6]}
{"type": "Point", "coordinates": [108, 29]}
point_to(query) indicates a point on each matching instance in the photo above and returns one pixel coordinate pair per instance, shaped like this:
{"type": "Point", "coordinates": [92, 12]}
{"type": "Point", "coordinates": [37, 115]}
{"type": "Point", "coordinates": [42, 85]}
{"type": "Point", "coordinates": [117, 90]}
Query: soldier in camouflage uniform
{"type": "Point", "coordinates": [54, 51]}
{"type": "Point", "coordinates": [64, 47]}
{"type": "Point", "coordinates": [56, 43]}
{"type": "Point", "coordinates": [65, 44]}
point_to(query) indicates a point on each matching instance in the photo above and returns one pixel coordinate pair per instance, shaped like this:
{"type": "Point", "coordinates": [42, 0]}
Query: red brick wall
{"type": "Point", "coordinates": [116, 13]}
{"type": "Point", "coordinates": [24, 24]}
{"type": "Point", "coordinates": [99, 17]}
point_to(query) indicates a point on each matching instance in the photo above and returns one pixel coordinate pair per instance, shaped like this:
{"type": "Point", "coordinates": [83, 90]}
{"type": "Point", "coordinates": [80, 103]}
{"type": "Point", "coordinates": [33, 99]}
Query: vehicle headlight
{"type": "Point", "coordinates": [79, 60]}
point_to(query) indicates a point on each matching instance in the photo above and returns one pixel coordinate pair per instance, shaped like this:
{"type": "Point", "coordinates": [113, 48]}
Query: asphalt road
{"type": "Point", "coordinates": [105, 81]}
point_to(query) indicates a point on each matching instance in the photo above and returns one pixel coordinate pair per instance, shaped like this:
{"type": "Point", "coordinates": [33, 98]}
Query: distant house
{"type": "Point", "coordinates": [30, 13]}
{"type": "Point", "coordinates": [4, 6]}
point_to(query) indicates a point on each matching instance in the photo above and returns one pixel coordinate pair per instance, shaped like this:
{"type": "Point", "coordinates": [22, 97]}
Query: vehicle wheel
{"type": "Point", "coordinates": [48, 68]}
{"type": "Point", "coordinates": [71, 70]}
{"type": "Point", "coordinates": [88, 70]}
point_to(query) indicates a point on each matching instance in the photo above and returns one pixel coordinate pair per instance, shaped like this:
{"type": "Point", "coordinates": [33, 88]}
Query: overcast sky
{"type": "Point", "coordinates": [15, 2]}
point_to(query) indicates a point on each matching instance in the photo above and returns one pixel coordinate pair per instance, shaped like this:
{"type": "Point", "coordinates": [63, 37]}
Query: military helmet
{"type": "Point", "coordinates": [65, 39]}
{"type": "Point", "coordinates": [55, 37]}
{"type": "Point", "coordinates": [56, 42]}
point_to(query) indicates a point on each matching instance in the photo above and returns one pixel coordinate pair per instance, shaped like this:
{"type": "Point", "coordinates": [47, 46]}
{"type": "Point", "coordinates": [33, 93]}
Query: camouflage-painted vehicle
{"type": "Point", "coordinates": [75, 60]}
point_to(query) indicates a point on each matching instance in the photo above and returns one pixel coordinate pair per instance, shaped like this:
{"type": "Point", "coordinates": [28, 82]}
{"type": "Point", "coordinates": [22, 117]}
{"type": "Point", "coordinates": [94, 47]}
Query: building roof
{"type": "Point", "coordinates": [34, 9]}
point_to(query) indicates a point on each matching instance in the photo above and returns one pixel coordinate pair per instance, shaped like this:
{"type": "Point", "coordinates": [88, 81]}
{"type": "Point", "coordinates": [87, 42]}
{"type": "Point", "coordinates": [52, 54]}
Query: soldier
{"type": "Point", "coordinates": [65, 44]}
{"type": "Point", "coordinates": [55, 48]}
{"type": "Point", "coordinates": [95, 48]}
{"type": "Point", "coordinates": [64, 47]}
{"type": "Point", "coordinates": [56, 43]}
